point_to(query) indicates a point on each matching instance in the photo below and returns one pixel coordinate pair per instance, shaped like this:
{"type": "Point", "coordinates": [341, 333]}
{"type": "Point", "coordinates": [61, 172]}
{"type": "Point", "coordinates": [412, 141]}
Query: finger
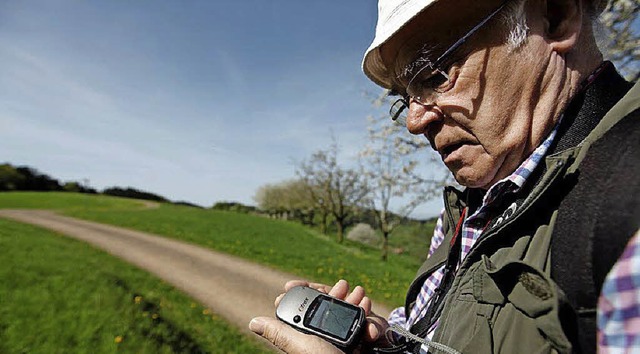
{"type": "Point", "coordinates": [356, 295]}
{"type": "Point", "coordinates": [340, 290]}
{"type": "Point", "coordinates": [376, 328]}
{"type": "Point", "coordinates": [293, 283]}
{"type": "Point", "coordinates": [366, 304]}
{"type": "Point", "coordinates": [323, 288]}
{"type": "Point", "coordinates": [275, 332]}
{"type": "Point", "coordinates": [373, 332]}
{"type": "Point", "coordinates": [278, 299]}
{"type": "Point", "coordinates": [318, 286]}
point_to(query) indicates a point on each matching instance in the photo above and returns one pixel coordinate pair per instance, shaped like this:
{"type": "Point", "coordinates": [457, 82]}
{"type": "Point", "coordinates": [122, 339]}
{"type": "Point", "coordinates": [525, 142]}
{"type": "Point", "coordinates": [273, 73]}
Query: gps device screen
{"type": "Point", "coordinates": [332, 317]}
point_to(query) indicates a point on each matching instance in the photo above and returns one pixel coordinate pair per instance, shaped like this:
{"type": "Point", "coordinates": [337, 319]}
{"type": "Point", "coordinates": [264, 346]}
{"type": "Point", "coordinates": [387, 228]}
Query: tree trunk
{"type": "Point", "coordinates": [323, 225]}
{"type": "Point", "coordinates": [340, 224]}
{"type": "Point", "coordinates": [385, 246]}
{"type": "Point", "coordinates": [310, 217]}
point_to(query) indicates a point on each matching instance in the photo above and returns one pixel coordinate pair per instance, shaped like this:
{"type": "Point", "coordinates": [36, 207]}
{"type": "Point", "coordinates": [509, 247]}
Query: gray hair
{"type": "Point", "coordinates": [514, 17]}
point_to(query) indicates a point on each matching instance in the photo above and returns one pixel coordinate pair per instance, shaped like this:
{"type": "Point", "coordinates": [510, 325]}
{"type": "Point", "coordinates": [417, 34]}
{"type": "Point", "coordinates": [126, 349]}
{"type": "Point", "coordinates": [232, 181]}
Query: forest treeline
{"type": "Point", "coordinates": [25, 178]}
{"type": "Point", "coordinates": [331, 209]}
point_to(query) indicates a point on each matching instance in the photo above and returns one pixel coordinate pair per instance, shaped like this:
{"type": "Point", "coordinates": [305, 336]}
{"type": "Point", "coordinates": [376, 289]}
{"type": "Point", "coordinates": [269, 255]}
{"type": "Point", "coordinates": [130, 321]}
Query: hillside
{"type": "Point", "coordinates": [283, 245]}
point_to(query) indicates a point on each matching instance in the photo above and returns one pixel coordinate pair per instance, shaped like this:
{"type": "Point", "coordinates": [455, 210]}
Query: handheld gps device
{"type": "Point", "coordinates": [313, 312]}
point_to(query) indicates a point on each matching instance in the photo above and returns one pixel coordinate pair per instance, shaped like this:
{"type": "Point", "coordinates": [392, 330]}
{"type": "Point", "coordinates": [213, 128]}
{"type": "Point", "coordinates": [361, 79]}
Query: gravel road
{"type": "Point", "coordinates": [232, 287]}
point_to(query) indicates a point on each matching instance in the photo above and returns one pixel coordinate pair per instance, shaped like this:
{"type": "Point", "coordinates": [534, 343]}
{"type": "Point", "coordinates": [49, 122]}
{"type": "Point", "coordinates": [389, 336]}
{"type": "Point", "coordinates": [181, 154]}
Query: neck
{"type": "Point", "coordinates": [545, 96]}
{"type": "Point", "coordinates": [559, 81]}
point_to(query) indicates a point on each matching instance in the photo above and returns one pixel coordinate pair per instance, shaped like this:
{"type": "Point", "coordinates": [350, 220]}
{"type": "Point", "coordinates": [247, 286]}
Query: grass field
{"type": "Point", "coordinates": [65, 201]}
{"type": "Point", "coordinates": [283, 245]}
{"type": "Point", "coordinates": [59, 295]}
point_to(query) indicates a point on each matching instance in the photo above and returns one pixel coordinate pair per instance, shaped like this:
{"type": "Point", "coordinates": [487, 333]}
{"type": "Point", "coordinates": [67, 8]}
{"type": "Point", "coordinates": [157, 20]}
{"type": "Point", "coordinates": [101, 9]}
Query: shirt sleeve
{"type": "Point", "coordinates": [438, 234]}
{"type": "Point", "coordinates": [619, 303]}
{"type": "Point", "coordinates": [398, 315]}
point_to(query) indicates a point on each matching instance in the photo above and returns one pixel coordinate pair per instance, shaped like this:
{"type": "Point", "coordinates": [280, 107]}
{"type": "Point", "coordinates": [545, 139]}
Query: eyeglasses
{"type": "Point", "coordinates": [431, 80]}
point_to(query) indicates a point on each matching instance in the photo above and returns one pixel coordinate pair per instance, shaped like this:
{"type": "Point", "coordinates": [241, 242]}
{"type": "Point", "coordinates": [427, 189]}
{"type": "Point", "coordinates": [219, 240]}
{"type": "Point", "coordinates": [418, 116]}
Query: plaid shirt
{"type": "Point", "coordinates": [472, 228]}
{"type": "Point", "coordinates": [619, 304]}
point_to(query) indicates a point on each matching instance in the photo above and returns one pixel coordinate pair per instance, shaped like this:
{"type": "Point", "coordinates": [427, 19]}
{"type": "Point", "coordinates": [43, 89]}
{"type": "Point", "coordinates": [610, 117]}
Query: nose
{"type": "Point", "coordinates": [421, 115]}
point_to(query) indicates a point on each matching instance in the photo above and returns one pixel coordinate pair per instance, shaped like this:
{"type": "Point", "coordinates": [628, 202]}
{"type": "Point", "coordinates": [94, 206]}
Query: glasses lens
{"type": "Point", "coordinates": [426, 83]}
{"type": "Point", "coordinates": [398, 112]}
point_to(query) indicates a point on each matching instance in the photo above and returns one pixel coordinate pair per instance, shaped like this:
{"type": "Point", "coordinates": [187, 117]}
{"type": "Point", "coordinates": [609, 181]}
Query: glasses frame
{"type": "Point", "coordinates": [396, 115]}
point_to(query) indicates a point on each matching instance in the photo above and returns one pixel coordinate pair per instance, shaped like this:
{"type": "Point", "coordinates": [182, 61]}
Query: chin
{"type": "Point", "coordinates": [472, 179]}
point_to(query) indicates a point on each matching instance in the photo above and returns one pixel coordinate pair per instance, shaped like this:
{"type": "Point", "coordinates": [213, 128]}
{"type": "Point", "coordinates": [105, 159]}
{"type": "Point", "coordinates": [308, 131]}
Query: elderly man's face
{"type": "Point", "coordinates": [486, 124]}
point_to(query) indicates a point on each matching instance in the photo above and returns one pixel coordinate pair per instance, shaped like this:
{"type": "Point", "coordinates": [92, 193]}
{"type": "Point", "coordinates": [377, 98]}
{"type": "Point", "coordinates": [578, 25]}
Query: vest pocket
{"type": "Point", "coordinates": [520, 304]}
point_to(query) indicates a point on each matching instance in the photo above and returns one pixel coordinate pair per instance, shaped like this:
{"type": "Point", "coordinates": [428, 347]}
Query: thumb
{"type": "Point", "coordinates": [288, 339]}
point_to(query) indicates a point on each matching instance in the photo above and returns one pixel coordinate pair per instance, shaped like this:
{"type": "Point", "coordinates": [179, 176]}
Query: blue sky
{"type": "Point", "coordinates": [201, 101]}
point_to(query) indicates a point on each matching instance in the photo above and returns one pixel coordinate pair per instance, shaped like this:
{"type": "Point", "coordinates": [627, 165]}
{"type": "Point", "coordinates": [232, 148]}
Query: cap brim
{"type": "Point", "coordinates": [391, 19]}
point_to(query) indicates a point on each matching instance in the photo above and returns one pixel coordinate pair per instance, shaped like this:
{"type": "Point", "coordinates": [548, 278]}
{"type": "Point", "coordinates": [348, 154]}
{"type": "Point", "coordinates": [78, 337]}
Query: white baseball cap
{"type": "Point", "coordinates": [392, 16]}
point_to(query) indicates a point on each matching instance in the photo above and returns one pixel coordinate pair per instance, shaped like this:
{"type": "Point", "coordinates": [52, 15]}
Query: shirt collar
{"type": "Point", "coordinates": [514, 182]}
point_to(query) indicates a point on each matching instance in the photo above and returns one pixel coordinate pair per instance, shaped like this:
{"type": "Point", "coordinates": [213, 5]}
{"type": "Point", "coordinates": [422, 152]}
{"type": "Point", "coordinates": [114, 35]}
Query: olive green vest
{"type": "Point", "coordinates": [503, 299]}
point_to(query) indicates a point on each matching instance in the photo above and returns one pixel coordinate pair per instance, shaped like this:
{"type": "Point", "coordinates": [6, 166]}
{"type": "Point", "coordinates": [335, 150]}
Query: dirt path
{"type": "Point", "coordinates": [232, 287]}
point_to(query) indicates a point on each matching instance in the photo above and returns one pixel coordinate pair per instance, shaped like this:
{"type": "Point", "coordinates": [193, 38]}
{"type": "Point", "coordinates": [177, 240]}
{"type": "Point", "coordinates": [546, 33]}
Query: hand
{"type": "Point", "coordinates": [292, 341]}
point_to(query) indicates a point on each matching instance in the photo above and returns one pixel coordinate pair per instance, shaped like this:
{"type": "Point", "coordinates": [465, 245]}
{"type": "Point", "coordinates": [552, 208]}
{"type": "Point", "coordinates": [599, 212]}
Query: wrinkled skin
{"type": "Point", "coordinates": [501, 107]}
{"type": "Point", "coordinates": [503, 102]}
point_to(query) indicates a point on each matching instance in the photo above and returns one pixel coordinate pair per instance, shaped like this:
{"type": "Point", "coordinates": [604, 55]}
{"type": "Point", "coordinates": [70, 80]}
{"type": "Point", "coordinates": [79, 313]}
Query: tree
{"type": "Point", "coordinates": [299, 200]}
{"type": "Point", "coordinates": [25, 178]}
{"type": "Point", "coordinates": [268, 198]}
{"type": "Point", "coordinates": [621, 42]}
{"type": "Point", "coordinates": [392, 167]}
{"type": "Point", "coordinates": [10, 178]}
{"type": "Point", "coordinates": [228, 206]}
{"type": "Point", "coordinates": [338, 189]}
{"type": "Point", "coordinates": [316, 198]}
{"type": "Point", "coordinates": [77, 187]}
{"type": "Point", "coordinates": [133, 193]}
{"type": "Point", "coordinates": [36, 181]}
{"type": "Point", "coordinates": [71, 187]}
{"type": "Point", "coordinates": [288, 199]}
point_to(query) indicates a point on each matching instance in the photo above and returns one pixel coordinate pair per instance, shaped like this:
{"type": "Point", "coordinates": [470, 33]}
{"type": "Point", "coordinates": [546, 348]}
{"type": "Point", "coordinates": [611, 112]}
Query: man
{"type": "Point", "coordinates": [516, 99]}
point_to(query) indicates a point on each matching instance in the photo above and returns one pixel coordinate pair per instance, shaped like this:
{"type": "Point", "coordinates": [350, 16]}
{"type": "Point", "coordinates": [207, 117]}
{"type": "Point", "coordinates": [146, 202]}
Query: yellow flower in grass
{"type": "Point", "coordinates": [193, 305]}
{"type": "Point", "coordinates": [118, 339]}
{"type": "Point", "coordinates": [154, 316]}
{"type": "Point", "coordinates": [137, 299]}
{"type": "Point", "coordinates": [206, 311]}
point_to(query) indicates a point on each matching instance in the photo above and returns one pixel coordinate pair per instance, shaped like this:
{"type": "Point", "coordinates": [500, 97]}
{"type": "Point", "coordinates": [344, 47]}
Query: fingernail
{"type": "Point", "coordinates": [257, 326]}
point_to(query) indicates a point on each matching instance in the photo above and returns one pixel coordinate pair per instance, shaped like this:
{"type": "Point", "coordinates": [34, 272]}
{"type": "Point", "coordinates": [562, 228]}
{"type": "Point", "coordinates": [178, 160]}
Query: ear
{"type": "Point", "coordinates": [563, 23]}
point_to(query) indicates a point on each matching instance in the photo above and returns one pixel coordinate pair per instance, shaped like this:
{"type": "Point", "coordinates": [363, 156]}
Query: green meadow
{"type": "Point", "coordinates": [58, 295]}
{"type": "Point", "coordinates": [283, 245]}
